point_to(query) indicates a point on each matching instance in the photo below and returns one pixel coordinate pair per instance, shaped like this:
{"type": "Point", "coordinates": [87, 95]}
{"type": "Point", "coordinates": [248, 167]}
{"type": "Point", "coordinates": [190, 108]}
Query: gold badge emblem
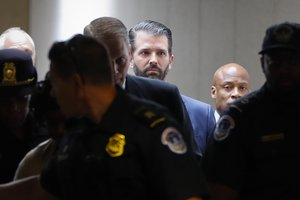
{"type": "Point", "coordinates": [9, 73]}
{"type": "Point", "coordinates": [115, 146]}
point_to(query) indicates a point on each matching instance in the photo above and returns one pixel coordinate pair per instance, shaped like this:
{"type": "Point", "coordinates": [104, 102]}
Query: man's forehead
{"type": "Point", "coordinates": [142, 35]}
{"type": "Point", "coordinates": [234, 82]}
{"type": "Point", "coordinates": [232, 79]}
{"type": "Point", "coordinates": [233, 73]}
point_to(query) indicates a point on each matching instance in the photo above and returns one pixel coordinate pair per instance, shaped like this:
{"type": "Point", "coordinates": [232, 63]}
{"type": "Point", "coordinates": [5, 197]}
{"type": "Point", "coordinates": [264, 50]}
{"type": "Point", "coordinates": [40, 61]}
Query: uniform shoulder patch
{"type": "Point", "coordinates": [223, 127]}
{"type": "Point", "coordinates": [173, 139]}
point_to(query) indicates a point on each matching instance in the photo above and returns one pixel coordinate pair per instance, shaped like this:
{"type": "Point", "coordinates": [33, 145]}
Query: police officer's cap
{"type": "Point", "coordinates": [282, 36]}
{"type": "Point", "coordinates": [18, 76]}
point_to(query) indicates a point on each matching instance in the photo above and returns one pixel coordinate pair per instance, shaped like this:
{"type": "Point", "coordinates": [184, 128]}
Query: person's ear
{"type": "Point", "coordinates": [171, 61]}
{"type": "Point", "coordinates": [130, 56]}
{"type": "Point", "coordinates": [213, 91]}
{"type": "Point", "coordinates": [78, 84]}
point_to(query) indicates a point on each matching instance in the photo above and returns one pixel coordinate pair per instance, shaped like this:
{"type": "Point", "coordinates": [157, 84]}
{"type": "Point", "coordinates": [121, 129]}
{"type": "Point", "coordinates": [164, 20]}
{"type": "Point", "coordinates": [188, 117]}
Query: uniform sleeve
{"type": "Point", "coordinates": [175, 172]}
{"type": "Point", "coordinates": [225, 160]}
{"type": "Point", "coordinates": [182, 116]}
{"type": "Point", "coordinates": [170, 98]}
{"type": "Point", "coordinates": [179, 110]}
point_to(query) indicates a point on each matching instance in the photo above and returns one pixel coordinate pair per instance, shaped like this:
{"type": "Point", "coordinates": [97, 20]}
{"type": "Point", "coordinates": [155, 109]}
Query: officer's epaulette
{"type": "Point", "coordinates": [149, 115]}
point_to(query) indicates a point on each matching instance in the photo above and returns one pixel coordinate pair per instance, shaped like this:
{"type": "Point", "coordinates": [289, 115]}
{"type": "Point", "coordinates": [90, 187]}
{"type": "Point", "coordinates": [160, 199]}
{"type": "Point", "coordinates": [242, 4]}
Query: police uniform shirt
{"type": "Point", "coordinates": [256, 148]}
{"type": "Point", "coordinates": [135, 152]}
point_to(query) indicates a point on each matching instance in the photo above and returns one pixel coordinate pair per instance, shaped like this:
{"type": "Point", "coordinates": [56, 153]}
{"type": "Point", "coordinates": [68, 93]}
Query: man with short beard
{"type": "Point", "coordinates": [151, 47]}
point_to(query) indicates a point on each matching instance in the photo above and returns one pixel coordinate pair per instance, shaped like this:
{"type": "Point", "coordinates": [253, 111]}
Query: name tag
{"type": "Point", "coordinates": [272, 137]}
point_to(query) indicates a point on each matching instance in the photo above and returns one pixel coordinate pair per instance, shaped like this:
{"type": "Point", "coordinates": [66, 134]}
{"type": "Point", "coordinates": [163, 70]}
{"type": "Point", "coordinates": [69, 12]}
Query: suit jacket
{"type": "Point", "coordinates": [203, 121]}
{"type": "Point", "coordinates": [165, 94]}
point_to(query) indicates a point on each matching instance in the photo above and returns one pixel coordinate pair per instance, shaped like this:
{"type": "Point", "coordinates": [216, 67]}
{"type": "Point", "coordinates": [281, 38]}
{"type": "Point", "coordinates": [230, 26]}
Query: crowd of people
{"type": "Point", "coordinates": [90, 130]}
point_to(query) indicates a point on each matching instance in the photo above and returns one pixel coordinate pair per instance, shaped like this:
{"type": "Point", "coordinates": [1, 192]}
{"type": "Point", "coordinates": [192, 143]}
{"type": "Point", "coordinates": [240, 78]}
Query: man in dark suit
{"type": "Point", "coordinates": [151, 47]}
{"type": "Point", "coordinates": [113, 33]}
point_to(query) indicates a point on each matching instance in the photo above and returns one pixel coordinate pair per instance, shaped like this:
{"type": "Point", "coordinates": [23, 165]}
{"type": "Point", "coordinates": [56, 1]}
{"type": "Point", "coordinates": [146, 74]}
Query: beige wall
{"type": "Point", "coordinates": [14, 13]}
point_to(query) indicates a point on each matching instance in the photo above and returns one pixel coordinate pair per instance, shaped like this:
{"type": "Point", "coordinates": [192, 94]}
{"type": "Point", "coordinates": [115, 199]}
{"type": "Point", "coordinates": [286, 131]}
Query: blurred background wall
{"type": "Point", "coordinates": [206, 33]}
{"type": "Point", "coordinates": [14, 13]}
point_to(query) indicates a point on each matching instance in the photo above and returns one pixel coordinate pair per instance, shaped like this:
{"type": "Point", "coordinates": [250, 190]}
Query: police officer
{"type": "Point", "coordinates": [48, 114]}
{"type": "Point", "coordinates": [19, 132]}
{"type": "Point", "coordinates": [255, 154]}
{"type": "Point", "coordinates": [120, 147]}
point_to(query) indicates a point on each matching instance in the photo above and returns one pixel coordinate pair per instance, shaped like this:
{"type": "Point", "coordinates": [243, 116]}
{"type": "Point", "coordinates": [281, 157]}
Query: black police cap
{"type": "Point", "coordinates": [18, 76]}
{"type": "Point", "coordinates": [282, 36]}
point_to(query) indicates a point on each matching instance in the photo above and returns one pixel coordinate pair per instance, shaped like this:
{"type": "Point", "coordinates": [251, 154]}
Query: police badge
{"type": "Point", "coordinates": [115, 145]}
{"type": "Point", "coordinates": [9, 73]}
{"type": "Point", "coordinates": [223, 127]}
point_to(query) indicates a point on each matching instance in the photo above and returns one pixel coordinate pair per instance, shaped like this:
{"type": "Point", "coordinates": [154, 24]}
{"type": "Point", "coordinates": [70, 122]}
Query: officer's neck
{"type": "Point", "coordinates": [97, 101]}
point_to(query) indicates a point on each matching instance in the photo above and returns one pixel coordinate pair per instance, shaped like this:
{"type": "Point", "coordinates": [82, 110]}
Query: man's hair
{"type": "Point", "coordinates": [153, 28]}
{"type": "Point", "coordinates": [106, 28]}
{"type": "Point", "coordinates": [8, 31]}
{"type": "Point", "coordinates": [83, 55]}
